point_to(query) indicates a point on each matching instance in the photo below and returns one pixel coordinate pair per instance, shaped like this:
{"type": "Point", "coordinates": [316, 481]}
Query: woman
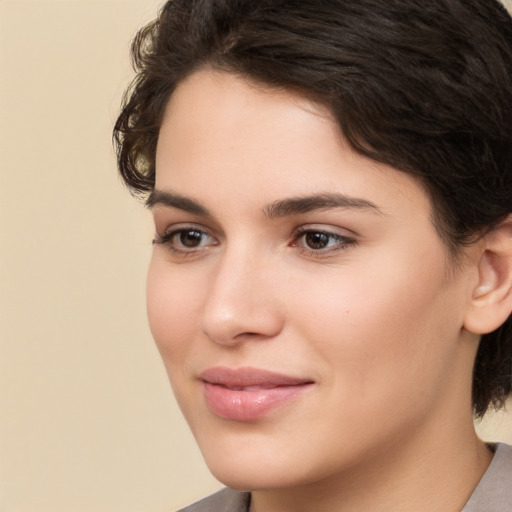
{"type": "Point", "coordinates": [331, 282]}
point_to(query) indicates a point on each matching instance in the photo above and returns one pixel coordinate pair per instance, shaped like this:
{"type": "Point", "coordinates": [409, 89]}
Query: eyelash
{"type": "Point", "coordinates": [167, 240]}
{"type": "Point", "coordinates": [342, 242]}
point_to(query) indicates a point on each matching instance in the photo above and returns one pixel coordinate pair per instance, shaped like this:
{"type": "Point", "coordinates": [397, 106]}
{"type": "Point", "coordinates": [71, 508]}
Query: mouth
{"type": "Point", "coordinates": [247, 394]}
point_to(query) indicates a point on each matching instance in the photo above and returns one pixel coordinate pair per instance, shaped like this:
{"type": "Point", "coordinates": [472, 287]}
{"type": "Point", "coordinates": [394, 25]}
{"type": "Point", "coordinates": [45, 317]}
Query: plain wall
{"type": "Point", "coordinates": [87, 420]}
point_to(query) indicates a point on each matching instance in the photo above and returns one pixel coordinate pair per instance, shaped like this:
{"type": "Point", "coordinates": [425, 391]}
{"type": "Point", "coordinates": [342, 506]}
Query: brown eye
{"type": "Point", "coordinates": [190, 238]}
{"type": "Point", "coordinates": [317, 240]}
{"type": "Point", "coordinates": [186, 240]}
{"type": "Point", "coordinates": [322, 243]}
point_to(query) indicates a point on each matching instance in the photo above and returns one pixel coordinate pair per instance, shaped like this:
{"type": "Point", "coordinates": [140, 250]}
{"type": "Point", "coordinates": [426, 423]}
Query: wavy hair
{"type": "Point", "coordinates": [425, 87]}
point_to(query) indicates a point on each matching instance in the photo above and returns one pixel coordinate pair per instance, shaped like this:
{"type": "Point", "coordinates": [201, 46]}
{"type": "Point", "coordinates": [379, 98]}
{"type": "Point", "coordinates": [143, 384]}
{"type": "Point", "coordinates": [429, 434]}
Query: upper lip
{"type": "Point", "coordinates": [249, 377]}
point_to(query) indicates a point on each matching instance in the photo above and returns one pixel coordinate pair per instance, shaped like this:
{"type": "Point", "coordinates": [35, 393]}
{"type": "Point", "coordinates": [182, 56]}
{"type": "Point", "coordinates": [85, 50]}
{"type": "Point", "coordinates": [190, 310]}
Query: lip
{"type": "Point", "coordinates": [246, 394]}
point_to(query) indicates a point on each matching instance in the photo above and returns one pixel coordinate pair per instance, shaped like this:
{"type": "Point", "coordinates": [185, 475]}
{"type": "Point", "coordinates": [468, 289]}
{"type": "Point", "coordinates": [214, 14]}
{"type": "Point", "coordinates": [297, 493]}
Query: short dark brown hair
{"type": "Point", "coordinates": [425, 87]}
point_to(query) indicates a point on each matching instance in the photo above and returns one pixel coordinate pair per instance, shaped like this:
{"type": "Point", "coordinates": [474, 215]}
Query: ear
{"type": "Point", "coordinates": [491, 300]}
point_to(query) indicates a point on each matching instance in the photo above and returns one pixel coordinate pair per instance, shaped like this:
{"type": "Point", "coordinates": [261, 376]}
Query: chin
{"type": "Point", "coordinates": [253, 466]}
{"type": "Point", "coordinates": [243, 468]}
{"type": "Point", "coordinates": [262, 477]}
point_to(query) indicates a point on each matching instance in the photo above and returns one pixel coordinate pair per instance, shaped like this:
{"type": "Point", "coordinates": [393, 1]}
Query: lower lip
{"type": "Point", "coordinates": [248, 405]}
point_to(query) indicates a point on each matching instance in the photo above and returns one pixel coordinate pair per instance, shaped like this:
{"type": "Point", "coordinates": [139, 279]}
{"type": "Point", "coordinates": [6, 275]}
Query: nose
{"type": "Point", "coordinates": [241, 302]}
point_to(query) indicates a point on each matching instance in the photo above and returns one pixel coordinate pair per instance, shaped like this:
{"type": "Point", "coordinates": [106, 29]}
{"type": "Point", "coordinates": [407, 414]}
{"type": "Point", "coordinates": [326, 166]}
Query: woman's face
{"type": "Point", "coordinates": [308, 315]}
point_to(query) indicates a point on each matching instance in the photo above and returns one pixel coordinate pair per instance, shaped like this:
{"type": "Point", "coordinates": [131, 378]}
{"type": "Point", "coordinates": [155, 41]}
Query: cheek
{"type": "Point", "coordinates": [172, 311]}
{"type": "Point", "coordinates": [384, 328]}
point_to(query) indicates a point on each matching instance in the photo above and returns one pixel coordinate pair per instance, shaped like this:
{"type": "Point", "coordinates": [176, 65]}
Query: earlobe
{"type": "Point", "coordinates": [491, 300]}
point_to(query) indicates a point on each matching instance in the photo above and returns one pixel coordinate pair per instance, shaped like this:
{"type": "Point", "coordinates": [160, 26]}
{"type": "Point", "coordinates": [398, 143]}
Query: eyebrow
{"type": "Point", "coordinates": [327, 201]}
{"type": "Point", "coordinates": [280, 208]}
{"type": "Point", "coordinates": [173, 200]}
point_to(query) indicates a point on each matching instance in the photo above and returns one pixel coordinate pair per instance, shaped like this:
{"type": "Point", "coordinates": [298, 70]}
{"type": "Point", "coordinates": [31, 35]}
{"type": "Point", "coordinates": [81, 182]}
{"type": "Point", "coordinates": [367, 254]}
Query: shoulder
{"type": "Point", "coordinates": [226, 500]}
{"type": "Point", "coordinates": [494, 492]}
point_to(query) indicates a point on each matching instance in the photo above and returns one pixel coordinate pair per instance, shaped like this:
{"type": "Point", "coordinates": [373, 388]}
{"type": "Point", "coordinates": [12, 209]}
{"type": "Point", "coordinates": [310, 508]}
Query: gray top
{"type": "Point", "coordinates": [494, 491]}
{"type": "Point", "coordinates": [492, 494]}
{"type": "Point", "coordinates": [226, 500]}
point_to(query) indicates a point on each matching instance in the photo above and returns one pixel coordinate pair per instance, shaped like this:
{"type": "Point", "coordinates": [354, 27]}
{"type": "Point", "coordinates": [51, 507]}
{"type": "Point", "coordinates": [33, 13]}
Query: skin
{"type": "Point", "coordinates": [376, 319]}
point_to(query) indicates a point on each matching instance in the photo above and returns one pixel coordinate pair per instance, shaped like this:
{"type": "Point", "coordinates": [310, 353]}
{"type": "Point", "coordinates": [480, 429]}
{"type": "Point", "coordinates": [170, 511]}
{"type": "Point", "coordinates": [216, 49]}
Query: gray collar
{"type": "Point", "coordinates": [494, 491]}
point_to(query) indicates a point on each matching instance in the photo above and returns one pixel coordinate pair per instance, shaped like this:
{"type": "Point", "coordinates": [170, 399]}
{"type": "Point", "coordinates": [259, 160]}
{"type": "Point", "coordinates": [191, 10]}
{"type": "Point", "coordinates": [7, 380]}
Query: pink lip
{"type": "Point", "coordinates": [245, 394]}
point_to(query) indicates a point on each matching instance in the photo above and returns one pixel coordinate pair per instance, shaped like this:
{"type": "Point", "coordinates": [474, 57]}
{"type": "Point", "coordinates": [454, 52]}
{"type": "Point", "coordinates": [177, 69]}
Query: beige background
{"type": "Point", "coordinates": [87, 421]}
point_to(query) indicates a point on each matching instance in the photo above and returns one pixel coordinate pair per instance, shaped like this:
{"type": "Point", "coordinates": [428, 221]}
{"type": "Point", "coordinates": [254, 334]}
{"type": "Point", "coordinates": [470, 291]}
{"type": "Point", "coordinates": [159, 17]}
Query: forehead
{"type": "Point", "coordinates": [262, 145]}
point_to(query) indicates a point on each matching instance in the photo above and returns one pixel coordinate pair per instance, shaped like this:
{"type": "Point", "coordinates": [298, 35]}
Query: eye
{"type": "Point", "coordinates": [322, 242]}
{"type": "Point", "coordinates": [185, 240]}
{"type": "Point", "coordinates": [317, 240]}
{"type": "Point", "coordinates": [190, 238]}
